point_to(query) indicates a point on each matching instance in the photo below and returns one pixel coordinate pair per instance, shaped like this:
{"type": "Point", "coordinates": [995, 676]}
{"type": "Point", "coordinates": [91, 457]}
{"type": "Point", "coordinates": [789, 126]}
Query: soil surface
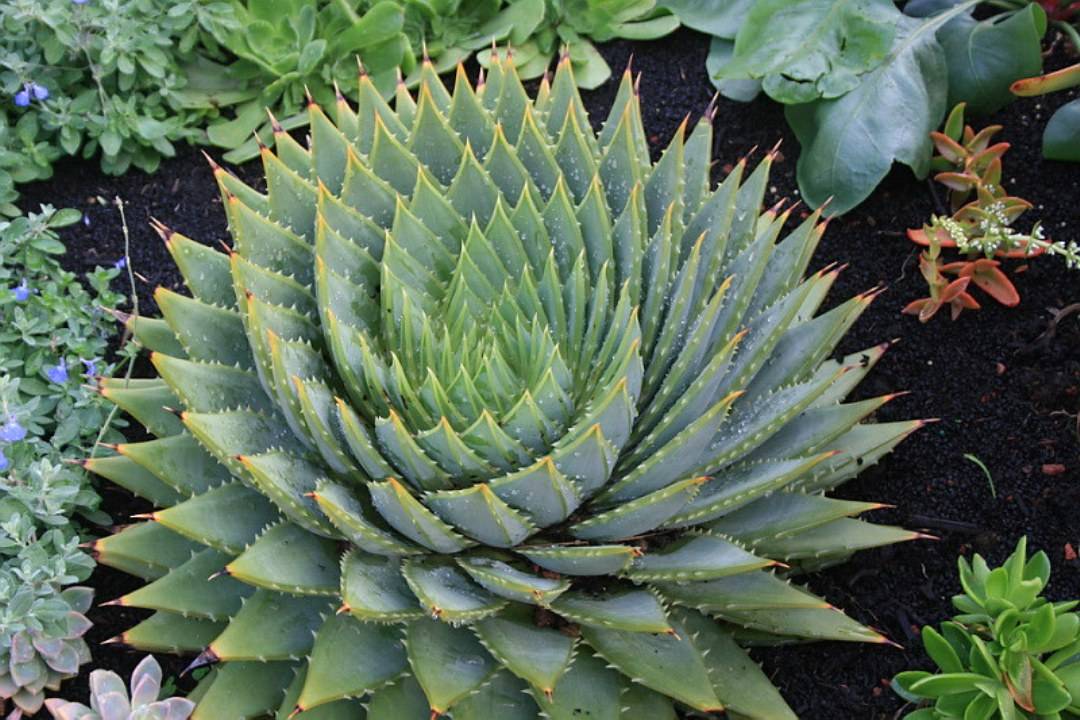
{"type": "Point", "coordinates": [1005, 383]}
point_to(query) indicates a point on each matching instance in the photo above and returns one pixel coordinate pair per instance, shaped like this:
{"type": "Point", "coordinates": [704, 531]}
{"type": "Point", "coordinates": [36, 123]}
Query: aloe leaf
{"type": "Point", "coordinates": [509, 582]}
{"type": "Point", "coordinates": [172, 633]}
{"type": "Point", "coordinates": [271, 626]}
{"type": "Point", "coordinates": [226, 518]}
{"type": "Point", "coordinates": [447, 593]}
{"type": "Point", "coordinates": [696, 557]}
{"type": "Point", "coordinates": [373, 589]}
{"type": "Point", "coordinates": [581, 559]}
{"type": "Point", "coordinates": [504, 696]}
{"type": "Point", "coordinates": [289, 559]}
{"type": "Point", "coordinates": [630, 610]}
{"type": "Point", "coordinates": [403, 700]}
{"type": "Point", "coordinates": [131, 476]}
{"type": "Point", "coordinates": [540, 656]}
{"type": "Point", "coordinates": [148, 550]}
{"type": "Point", "coordinates": [737, 679]}
{"type": "Point", "coordinates": [589, 688]}
{"type": "Point", "coordinates": [669, 663]}
{"type": "Point", "coordinates": [244, 689]}
{"type": "Point", "coordinates": [350, 658]}
{"type": "Point", "coordinates": [448, 662]}
{"type": "Point", "coordinates": [189, 590]}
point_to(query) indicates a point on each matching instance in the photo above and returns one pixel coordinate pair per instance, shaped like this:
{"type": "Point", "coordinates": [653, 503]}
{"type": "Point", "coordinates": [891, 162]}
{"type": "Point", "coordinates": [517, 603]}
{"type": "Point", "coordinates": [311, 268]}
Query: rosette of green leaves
{"type": "Point", "coordinates": [41, 626]}
{"type": "Point", "coordinates": [572, 26]}
{"type": "Point", "coordinates": [1010, 653]}
{"type": "Point", "coordinates": [488, 414]}
{"type": "Point", "coordinates": [295, 49]}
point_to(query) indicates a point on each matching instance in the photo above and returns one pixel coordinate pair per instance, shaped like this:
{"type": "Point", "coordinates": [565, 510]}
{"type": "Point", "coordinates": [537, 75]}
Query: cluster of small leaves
{"type": "Point", "coordinates": [109, 699]}
{"type": "Point", "coordinates": [115, 78]}
{"type": "Point", "coordinates": [1010, 653]}
{"type": "Point", "coordinates": [287, 51]}
{"type": "Point", "coordinates": [864, 83]}
{"type": "Point", "coordinates": [54, 334]}
{"type": "Point", "coordinates": [980, 226]}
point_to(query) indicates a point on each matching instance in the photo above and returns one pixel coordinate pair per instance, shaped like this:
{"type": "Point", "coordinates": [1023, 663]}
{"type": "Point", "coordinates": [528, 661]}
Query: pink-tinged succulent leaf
{"type": "Point", "coordinates": [962, 182]}
{"type": "Point", "coordinates": [963, 301]}
{"type": "Point", "coordinates": [1050, 82]}
{"type": "Point", "coordinates": [954, 289]}
{"type": "Point", "coordinates": [988, 277]}
{"type": "Point", "coordinates": [919, 236]}
{"type": "Point", "coordinates": [925, 308]}
{"type": "Point", "coordinates": [980, 141]}
{"type": "Point", "coordinates": [145, 682]}
{"type": "Point", "coordinates": [948, 148]}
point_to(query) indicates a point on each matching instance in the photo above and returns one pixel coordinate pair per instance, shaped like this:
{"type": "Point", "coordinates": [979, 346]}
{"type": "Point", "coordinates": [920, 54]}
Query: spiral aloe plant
{"type": "Point", "coordinates": [487, 414]}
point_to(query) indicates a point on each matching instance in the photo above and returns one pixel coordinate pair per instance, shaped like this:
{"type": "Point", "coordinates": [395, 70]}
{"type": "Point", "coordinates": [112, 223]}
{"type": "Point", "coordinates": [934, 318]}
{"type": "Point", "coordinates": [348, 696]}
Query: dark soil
{"type": "Point", "coordinates": [1004, 382]}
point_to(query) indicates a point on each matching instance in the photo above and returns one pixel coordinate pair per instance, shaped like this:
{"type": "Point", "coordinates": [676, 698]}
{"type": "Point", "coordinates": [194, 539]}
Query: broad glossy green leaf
{"type": "Point", "coordinates": [349, 659]}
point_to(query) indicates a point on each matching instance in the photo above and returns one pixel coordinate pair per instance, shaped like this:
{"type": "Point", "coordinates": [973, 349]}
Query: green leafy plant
{"type": "Point", "coordinates": [41, 626]}
{"type": "Point", "coordinates": [487, 414]}
{"type": "Point", "coordinates": [1010, 653]}
{"type": "Point", "coordinates": [862, 83]}
{"type": "Point", "coordinates": [295, 50]}
{"type": "Point", "coordinates": [1061, 137]}
{"type": "Point", "coordinates": [572, 26]}
{"type": "Point", "coordinates": [108, 78]}
{"type": "Point", "coordinates": [109, 699]}
{"type": "Point", "coordinates": [979, 228]}
{"type": "Point", "coordinates": [53, 335]}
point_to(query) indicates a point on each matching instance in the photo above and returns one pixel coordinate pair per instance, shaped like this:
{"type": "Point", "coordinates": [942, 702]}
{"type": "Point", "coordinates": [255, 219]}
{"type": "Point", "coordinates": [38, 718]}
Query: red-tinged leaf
{"type": "Point", "coordinates": [948, 148]}
{"type": "Point", "coordinates": [981, 140]}
{"type": "Point", "coordinates": [989, 278]}
{"type": "Point", "coordinates": [957, 181]}
{"type": "Point", "coordinates": [955, 268]}
{"type": "Point", "coordinates": [1062, 79]}
{"type": "Point", "coordinates": [954, 288]}
{"type": "Point", "coordinates": [967, 300]}
{"type": "Point", "coordinates": [923, 307]}
{"type": "Point", "coordinates": [919, 237]}
{"type": "Point", "coordinates": [962, 302]}
{"type": "Point", "coordinates": [1053, 469]}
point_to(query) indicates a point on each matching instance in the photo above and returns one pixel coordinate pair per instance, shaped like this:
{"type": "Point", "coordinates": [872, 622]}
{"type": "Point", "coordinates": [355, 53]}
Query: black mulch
{"type": "Point", "coordinates": [1004, 382]}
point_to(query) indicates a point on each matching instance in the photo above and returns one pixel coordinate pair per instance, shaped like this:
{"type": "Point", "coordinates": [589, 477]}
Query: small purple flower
{"type": "Point", "coordinates": [22, 98]}
{"type": "Point", "coordinates": [58, 373]}
{"type": "Point", "coordinates": [40, 92]}
{"type": "Point", "coordinates": [120, 264]}
{"type": "Point", "coordinates": [11, 431]}
{"type": "Point", "coordinates": [4, 462]}
{"type": "Point", "coordinates": [21, 291]}
{"type": "Point", "coordinates": [91, 367]}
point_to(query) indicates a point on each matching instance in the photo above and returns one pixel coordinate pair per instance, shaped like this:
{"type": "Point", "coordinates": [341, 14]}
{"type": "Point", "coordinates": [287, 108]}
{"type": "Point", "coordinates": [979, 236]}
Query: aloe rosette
{"type": "Point", "coordinates": [485, 414]}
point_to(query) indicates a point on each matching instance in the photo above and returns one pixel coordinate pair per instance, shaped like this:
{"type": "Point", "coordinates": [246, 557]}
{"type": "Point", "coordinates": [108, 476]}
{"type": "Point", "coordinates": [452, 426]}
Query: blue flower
{"type": "Point", "coordinates": [91, 367]}
{"type": "Point", "coordinates": [40, 92]}
{"type": "Point", "coordinates": [22, 98]}
{"type": "Point", "coordinates": [4, 462]}
{"type": "Point", "coordinates": [21, 291]}
{"type": "Point", "coordinates": [58, 373]}
{"type": "Point", "coordinates": [120, 264]}
{"type": "Point", "coordinates": [79, 2]}
{"type": "Point", "coordinates": [11, 431]}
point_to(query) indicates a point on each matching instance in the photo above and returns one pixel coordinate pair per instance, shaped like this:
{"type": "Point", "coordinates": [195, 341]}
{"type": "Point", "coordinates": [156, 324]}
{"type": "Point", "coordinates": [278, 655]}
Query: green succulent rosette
{"type": "Point", "coordinates": [487, 415]}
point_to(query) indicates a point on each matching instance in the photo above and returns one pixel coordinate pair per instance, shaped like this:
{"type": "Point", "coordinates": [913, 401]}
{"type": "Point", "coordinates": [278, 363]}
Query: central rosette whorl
{"type": "Point", "coordinates": [538, 418]}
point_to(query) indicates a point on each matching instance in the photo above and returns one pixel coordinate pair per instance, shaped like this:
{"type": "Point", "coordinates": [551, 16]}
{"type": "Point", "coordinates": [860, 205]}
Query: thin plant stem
{"type": "Point", "coordinates": [134, 312]}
